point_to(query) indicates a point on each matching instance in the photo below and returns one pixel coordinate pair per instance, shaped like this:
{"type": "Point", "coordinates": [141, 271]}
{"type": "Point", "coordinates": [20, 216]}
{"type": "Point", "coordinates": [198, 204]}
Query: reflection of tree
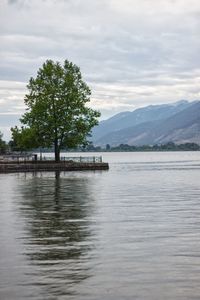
{"type": "Point", "coordinates": [58, 231]}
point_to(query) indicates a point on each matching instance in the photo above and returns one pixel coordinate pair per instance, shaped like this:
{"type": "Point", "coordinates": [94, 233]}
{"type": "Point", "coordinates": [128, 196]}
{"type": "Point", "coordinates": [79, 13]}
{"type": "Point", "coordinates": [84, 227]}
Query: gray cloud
{"type": "Point", "coordinates": [12, 1]}
{"type": "Point", "coordinates": [131, 52]}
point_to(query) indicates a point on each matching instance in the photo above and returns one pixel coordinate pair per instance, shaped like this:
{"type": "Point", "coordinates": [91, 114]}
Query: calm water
{"type": "Point", "coordinates": [132, 232]}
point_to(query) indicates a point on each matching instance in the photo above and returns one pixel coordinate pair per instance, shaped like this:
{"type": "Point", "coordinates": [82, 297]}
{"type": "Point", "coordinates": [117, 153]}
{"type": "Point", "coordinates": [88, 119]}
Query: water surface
{"type": "Point", "coordinates": [132, 232]}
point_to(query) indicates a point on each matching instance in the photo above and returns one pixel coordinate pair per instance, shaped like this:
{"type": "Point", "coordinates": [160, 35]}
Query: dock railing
{"type": "Point", "coordinates": [81, 159]}
{"type": "Point", "coordinates": [36, 158]}
{"type": "Point", "coordinates": [16, 158]}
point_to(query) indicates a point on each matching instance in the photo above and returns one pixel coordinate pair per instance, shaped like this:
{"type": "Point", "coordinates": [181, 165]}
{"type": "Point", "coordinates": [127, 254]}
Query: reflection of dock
{"type": "Point", "coordinates": [30, 163]}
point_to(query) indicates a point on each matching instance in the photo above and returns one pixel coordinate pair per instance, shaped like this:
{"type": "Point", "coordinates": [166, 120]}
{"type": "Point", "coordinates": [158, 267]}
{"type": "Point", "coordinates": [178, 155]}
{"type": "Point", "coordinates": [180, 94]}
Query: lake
{"type": "Point", "coordinates": [132, 232]}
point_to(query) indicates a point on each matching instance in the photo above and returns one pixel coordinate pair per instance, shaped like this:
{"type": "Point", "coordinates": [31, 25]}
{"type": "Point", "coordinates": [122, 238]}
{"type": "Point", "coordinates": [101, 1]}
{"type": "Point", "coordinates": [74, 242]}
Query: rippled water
{"type": "Point", "coordinates": [132, 232]}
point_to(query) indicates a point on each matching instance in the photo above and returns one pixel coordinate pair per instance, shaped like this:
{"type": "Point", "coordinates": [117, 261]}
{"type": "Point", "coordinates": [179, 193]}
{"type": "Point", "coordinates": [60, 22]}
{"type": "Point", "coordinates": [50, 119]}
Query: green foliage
{"type": "Point", "coordinates": [23, 139]}
{"type": "Point", "coordinates": [165, 147]}
{"type": "Point", "coordinates": [147, 148]}
{"type": "Point", "coordinates": [56, 108]}
{"type": "Point", "coordinates": [108, 147]}
{"type": "Point", "coordinates": [3, 145]}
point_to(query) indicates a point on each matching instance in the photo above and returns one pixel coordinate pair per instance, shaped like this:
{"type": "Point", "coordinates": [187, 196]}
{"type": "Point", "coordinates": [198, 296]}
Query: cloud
{"type": "Point", "coordinates": [13, 1]}
{"type": "Point", "coordinates": [131, 52]}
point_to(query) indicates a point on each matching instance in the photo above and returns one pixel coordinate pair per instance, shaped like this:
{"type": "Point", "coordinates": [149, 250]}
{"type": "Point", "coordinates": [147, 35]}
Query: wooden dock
{"type": "Point", "coordinates": [67, 164]}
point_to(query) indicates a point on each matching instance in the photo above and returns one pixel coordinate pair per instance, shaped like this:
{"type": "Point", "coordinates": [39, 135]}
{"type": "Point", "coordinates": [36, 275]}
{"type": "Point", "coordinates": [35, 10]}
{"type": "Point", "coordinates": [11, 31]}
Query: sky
{"type": "Point", "coordinates": [131, 53]}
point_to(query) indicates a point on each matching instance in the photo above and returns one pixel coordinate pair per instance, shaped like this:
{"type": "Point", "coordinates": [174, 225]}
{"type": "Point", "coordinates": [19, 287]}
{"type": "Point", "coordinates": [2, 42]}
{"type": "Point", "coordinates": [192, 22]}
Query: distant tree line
{"type": "Point", "coordinates": [163, 147]}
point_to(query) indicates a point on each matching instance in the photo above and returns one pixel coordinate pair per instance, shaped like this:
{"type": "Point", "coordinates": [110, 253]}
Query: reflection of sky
{"type": "Point", "coordinates": [132, 232]}
{"type": "Point", "coordinates": [131, 52]}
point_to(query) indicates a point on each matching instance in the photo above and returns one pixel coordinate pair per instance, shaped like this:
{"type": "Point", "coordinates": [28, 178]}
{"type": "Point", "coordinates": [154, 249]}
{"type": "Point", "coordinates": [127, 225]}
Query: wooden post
{"type": "Point", "coordinates": [40, 153]}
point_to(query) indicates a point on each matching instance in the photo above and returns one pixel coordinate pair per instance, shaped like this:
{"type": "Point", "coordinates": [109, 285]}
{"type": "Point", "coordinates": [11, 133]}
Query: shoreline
{"type": "Point", "coordinates": [13, 167]}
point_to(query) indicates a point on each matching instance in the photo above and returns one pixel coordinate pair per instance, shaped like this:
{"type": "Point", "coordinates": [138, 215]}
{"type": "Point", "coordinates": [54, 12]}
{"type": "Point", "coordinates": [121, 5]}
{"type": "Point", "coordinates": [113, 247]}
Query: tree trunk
{"type": "Point", "coordinates": [56, 151]}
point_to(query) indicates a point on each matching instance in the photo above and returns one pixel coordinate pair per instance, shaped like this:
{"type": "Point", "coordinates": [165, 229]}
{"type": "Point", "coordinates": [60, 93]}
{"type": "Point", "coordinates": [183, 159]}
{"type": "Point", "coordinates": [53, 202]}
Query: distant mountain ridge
{"type": "Point", "coordinates": [177, 122]}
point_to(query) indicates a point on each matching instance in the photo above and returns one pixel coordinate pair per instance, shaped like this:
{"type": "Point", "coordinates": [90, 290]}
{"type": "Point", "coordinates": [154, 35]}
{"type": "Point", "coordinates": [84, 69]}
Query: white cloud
{"type": "Point", "coordinates": [131, 52]}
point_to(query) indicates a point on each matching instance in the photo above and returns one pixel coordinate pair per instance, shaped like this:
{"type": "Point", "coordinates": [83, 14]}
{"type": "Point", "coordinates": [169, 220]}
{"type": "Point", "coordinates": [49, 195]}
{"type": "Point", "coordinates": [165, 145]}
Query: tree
{"type": "Point", "coordinates": [3, 146]}
{"type": "Point", "coordinates": [23, 139]}
{"type": "Point", "coordinates": [108, 147]}
{"type": "Point", "coordinates": [56, 107]}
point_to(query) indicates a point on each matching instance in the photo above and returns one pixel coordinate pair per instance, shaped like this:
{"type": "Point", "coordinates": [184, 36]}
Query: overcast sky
{"type": "Point", "coordinates": [131, 52]}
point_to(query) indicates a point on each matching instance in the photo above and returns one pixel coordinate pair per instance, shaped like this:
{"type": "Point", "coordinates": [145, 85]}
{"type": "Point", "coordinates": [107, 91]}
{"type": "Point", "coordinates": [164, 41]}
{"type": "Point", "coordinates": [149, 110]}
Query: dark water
{"type": "Point", "coordinates": [132, 232]}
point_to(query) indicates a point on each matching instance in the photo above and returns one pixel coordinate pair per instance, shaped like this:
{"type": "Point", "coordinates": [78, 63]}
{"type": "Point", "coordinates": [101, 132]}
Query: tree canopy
{"type": "Point", "coordinates": [3, 146]}
{"type": "Point", "coordinates": [57, 112]}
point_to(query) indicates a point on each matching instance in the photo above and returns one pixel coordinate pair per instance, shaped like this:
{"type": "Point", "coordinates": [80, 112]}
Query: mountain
{"type": "Point", "coordinates": [141, 115]}
{"type": "Point", "coordinates": [181, 127]}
